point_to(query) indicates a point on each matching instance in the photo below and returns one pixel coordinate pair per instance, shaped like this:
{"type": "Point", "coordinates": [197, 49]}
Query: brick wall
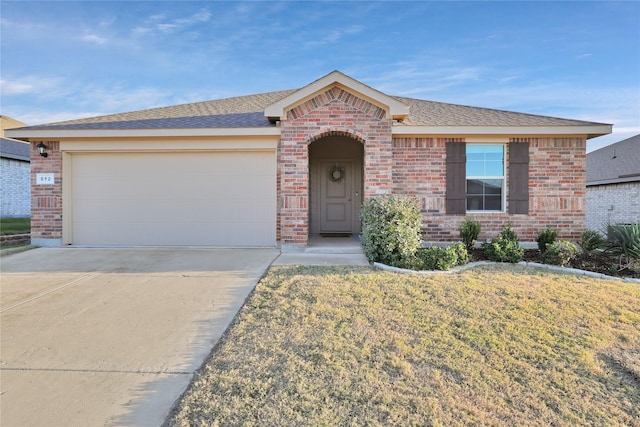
{"type": "Point", "coordinates": [334, 112]}
{"type": "Point", "coordinates": [613, 204]}
{"type": "Point", "coordinates": [556, 179]}
{"type": "Point", "coordinates": [15, 189]}
{"type": "Point", "coordinates": [46, 200]}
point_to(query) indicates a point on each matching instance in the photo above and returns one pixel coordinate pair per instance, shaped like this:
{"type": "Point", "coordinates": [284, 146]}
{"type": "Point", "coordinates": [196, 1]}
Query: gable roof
{"type": "Point", "coordinates": [397, 109]}
{"type": "Point", "coordinates": [254, 111]}
{"type": "Point", "coordinates": [615, 163]}
{"type": "Point", "coordinates": [12, 149]}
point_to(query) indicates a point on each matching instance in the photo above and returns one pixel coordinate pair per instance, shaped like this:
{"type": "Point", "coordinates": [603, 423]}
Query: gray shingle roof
{"type": "Point", "coordinates": [431, 113]}
{"type": "Point", "coordinates": [12, 149]}
{"type": "Point", "coordinates": [619, 162]}
{"type": "Point", "coordinates": [241, 111]}
{"type": "Point", "coordinates": [248, 111]}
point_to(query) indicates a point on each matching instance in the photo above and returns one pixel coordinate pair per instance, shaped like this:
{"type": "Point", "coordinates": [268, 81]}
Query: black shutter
{"type": "Point", "coordinates": [518, 178]}
{"type": "Point", "coordinates": [456, 178]}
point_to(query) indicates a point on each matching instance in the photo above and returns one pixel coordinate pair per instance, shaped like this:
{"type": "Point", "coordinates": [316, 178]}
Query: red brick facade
{"type": "Point", "coordinates": [557, 170]}
{"type": "Point", "coordinates": [46, 200]}
{"type": "Point", "coordinates": [413, 165]}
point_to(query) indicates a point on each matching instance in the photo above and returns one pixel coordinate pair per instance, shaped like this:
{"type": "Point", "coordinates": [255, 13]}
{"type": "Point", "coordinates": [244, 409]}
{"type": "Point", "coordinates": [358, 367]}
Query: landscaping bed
{"type": "Point", "coordinates": [598, 263]}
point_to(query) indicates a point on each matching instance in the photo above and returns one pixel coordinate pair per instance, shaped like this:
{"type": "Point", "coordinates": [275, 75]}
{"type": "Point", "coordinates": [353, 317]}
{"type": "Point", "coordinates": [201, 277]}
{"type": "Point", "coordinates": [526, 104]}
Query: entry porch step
{"type": "Point", "coordinates": [333, 245]}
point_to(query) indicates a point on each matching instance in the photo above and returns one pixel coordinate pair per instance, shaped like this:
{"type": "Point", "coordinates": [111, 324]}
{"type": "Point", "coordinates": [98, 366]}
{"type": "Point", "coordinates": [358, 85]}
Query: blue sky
{"type": "Point", "coordinates": [65, 60]}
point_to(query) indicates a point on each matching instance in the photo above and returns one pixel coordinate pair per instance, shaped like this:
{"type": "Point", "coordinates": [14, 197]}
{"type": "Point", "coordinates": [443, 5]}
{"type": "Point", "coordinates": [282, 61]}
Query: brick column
{"type": "Point", "coordinates": [46, 199]}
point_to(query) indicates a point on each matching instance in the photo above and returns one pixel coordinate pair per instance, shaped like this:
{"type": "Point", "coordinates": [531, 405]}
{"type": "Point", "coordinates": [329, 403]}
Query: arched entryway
{"type": "Point", "coordinates": [336, 165]}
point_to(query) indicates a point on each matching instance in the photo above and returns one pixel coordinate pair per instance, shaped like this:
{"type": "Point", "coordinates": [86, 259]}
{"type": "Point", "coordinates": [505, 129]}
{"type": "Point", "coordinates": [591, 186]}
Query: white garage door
{"type": "Point", "coordinates": [180, 199]}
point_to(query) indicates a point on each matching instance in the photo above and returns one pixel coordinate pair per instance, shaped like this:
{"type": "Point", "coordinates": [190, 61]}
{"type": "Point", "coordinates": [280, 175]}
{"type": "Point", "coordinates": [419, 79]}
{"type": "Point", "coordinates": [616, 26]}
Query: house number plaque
{"type": "Point", "coordinates": [45, 179]}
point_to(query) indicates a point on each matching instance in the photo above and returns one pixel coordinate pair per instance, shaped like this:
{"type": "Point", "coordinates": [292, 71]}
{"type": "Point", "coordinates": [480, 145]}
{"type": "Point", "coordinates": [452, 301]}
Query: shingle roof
{"type": "Point", "coordinates": [248, 111]}
{"type": "Point", "coordinates": [12, 149]}
{"type": "Point", "coordinates": [431, 113]}
{"type": "Point", "coordinates": [240, 111]}
{"type": "Point", "coordinates": [619, 162]}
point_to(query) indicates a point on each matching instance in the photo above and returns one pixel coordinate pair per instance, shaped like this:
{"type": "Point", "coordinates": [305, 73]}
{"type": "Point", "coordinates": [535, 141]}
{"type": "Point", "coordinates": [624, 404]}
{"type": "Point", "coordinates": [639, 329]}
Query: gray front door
{"type": "Point", "coordinates": [336, 186]}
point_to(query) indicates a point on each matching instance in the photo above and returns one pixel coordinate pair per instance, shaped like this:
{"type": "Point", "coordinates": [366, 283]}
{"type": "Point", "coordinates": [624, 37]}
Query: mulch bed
{"type": "Point", "coordinates": [598, 263]}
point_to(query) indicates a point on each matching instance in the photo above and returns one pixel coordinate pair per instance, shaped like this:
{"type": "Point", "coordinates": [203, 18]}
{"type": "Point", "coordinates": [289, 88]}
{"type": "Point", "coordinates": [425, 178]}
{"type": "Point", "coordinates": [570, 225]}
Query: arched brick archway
{"type": "Point", "coordinates": [339, 117]}
{"type": "Point", "coordinates": [357, 136]}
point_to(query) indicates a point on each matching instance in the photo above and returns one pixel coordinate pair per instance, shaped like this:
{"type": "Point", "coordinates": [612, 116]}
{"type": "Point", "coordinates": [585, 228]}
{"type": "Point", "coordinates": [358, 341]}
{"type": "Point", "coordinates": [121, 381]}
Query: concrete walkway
{"type": "Point", "coordinates": [326, 251]}
{"type": "Point", "coordinates": [112, 337]}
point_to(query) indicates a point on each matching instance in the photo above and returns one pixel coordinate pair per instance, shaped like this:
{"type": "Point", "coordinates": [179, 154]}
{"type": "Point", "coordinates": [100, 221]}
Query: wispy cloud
{"type": "Point", "coordinates": [161, 24]}
{"type": "Point", "coordinates": [94, 38]}
{"type": "Point", "coordinates": [333, 36]}
{"type": "Point", "coordinates": [28, 85]}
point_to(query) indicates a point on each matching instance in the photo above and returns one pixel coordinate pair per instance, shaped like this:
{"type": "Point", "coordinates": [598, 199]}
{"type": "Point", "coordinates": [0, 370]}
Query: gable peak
{"type": "Point", "coordinates": [396, 109]}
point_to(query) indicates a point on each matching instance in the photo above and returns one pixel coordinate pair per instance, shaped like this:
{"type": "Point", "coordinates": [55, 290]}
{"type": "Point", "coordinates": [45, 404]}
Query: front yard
{"type": "Point", "coordinates": [500, 345]}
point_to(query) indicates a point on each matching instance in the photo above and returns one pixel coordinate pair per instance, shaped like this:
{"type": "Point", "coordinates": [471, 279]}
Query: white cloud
{"type": "Point", "coordinates": [161, 24]}
{"type": "Point", "coordinates": [94, 38]}
{"type": "Point", "coordinates": [332, 36]}
{"type": "Point", "coordinates": [12, 88]}
{"type": "Point", "coordinates": [27, 84]}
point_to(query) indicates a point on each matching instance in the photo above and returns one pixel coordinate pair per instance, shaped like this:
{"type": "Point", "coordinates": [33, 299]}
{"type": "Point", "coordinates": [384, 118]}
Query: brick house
{"type": "Point", "coordinates": [15, 187]}
{"type": "Point", "coordinates": [613, 185]}
{"type": "Point", "coordinates": [274, 168]}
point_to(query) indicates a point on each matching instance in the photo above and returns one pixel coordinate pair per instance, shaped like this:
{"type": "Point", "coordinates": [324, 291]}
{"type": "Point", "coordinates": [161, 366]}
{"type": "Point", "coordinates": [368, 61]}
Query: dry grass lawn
{"type": "Point", "coordinates": [501, 345]}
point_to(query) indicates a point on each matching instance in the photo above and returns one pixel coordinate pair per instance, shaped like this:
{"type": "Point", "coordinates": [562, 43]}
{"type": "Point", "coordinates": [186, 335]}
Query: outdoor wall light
{"type": "Point", "coordinates": [42, 149]}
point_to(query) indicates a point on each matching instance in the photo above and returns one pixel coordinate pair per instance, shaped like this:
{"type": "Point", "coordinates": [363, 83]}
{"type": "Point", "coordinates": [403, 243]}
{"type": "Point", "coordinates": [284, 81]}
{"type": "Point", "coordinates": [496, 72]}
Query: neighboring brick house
{"type": "Point", "coordinates": [613, 185]}
{"type": "Point", "coordinates": [15, 173]}
{"type": "Point", "coordinates": [274, 168]}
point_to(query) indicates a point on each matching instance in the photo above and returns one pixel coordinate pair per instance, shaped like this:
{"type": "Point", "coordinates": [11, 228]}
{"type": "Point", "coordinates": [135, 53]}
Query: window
{"type": "Point", "coordinates": [484, 192]}
{"type": "Point", "coordinates": [485, 177]}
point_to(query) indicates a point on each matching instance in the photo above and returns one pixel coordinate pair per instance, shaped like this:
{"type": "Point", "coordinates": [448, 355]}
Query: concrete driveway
{"type": "Point", "coordinates": [112, 337]}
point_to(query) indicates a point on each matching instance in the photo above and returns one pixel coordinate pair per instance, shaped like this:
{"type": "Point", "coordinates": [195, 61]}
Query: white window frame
{"type": "Point", "coordinates": [503, 178]}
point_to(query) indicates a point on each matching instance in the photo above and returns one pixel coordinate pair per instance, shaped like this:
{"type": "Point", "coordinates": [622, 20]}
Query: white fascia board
{"type": "Point", "coordinates": [590, 130]}
{"type": "Point", "coordinates": [137, 133]}
{"type": "Point", "coordinates": [396, 108]}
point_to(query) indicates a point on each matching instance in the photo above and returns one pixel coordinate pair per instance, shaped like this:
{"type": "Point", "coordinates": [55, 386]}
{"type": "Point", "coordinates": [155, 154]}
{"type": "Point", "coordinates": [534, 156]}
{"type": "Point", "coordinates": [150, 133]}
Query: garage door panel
{"type": "Point", "coordinates": [204, 198]}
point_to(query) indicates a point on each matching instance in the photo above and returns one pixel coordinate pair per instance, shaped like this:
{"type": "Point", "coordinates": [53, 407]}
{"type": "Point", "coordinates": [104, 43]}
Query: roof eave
{"type": "Point", "coordinates": [590, 131]}
{"type": "Point", "coordinates": [15, 157]}
{"type": "Point", "coordinates": [614, 181]}
{"type": "Point", "coordinates": [43, 134]}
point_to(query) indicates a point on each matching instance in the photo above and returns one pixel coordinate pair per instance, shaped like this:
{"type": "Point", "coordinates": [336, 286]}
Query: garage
{"type": "Point", "coordinates": [186, 198]}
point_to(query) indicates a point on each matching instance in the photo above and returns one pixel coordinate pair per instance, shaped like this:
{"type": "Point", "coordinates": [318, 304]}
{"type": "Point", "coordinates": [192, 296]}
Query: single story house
{"type": "Point", "coordinates": [15, 173]}
{"type": "Point", "coordinates": [274, 168]}
{"type": "Point", "coordinates": [613, 185]}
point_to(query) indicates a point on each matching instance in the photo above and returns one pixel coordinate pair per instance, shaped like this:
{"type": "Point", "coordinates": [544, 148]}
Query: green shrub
{"type": "Point", "coordinates": [438, 258]}
{"type": "Point", "coordinates": [469, 232]}
{"type": "Point", "coordinates": [462, 253]}
{"type": "Point", "coordinates": [545, 238]}
{"type": "Point", "coordinates": [560, 253]}
{"type": "Point", "coordinates": [391, 229]}
{"type": "Point", "coordinates": [590, 241]}
{"type": "Point", "coordinates": [624, 241]}
{"type": "Point", "coordinates": [505, 247]}
{"type": "Point", "coordinates": [508, 233]}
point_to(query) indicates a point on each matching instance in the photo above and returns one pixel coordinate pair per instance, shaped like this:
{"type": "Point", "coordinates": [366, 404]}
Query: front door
{"type": "Point", "coordinates": [336, 186]}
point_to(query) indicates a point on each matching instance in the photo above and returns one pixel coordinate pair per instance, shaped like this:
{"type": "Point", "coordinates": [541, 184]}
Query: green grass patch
{"type": "Point", "coordinates": [501, 345]}
{"type": "Point", "coordinates": [15, 225]}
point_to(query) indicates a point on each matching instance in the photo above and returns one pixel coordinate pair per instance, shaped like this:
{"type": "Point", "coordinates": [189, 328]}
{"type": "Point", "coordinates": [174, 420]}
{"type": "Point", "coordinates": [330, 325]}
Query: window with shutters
{"type": "Point", "coordinates": [485, 177]}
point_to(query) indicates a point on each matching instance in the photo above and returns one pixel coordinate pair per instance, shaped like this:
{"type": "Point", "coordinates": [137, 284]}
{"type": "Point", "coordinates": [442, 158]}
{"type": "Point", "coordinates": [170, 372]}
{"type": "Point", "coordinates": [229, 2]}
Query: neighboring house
{"type": "Point", "coordinates": [613, 185]}
{"type": "Point", "coordinates": [274, 168]}
{"type": "Point", "coordinates": [15, 173]}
